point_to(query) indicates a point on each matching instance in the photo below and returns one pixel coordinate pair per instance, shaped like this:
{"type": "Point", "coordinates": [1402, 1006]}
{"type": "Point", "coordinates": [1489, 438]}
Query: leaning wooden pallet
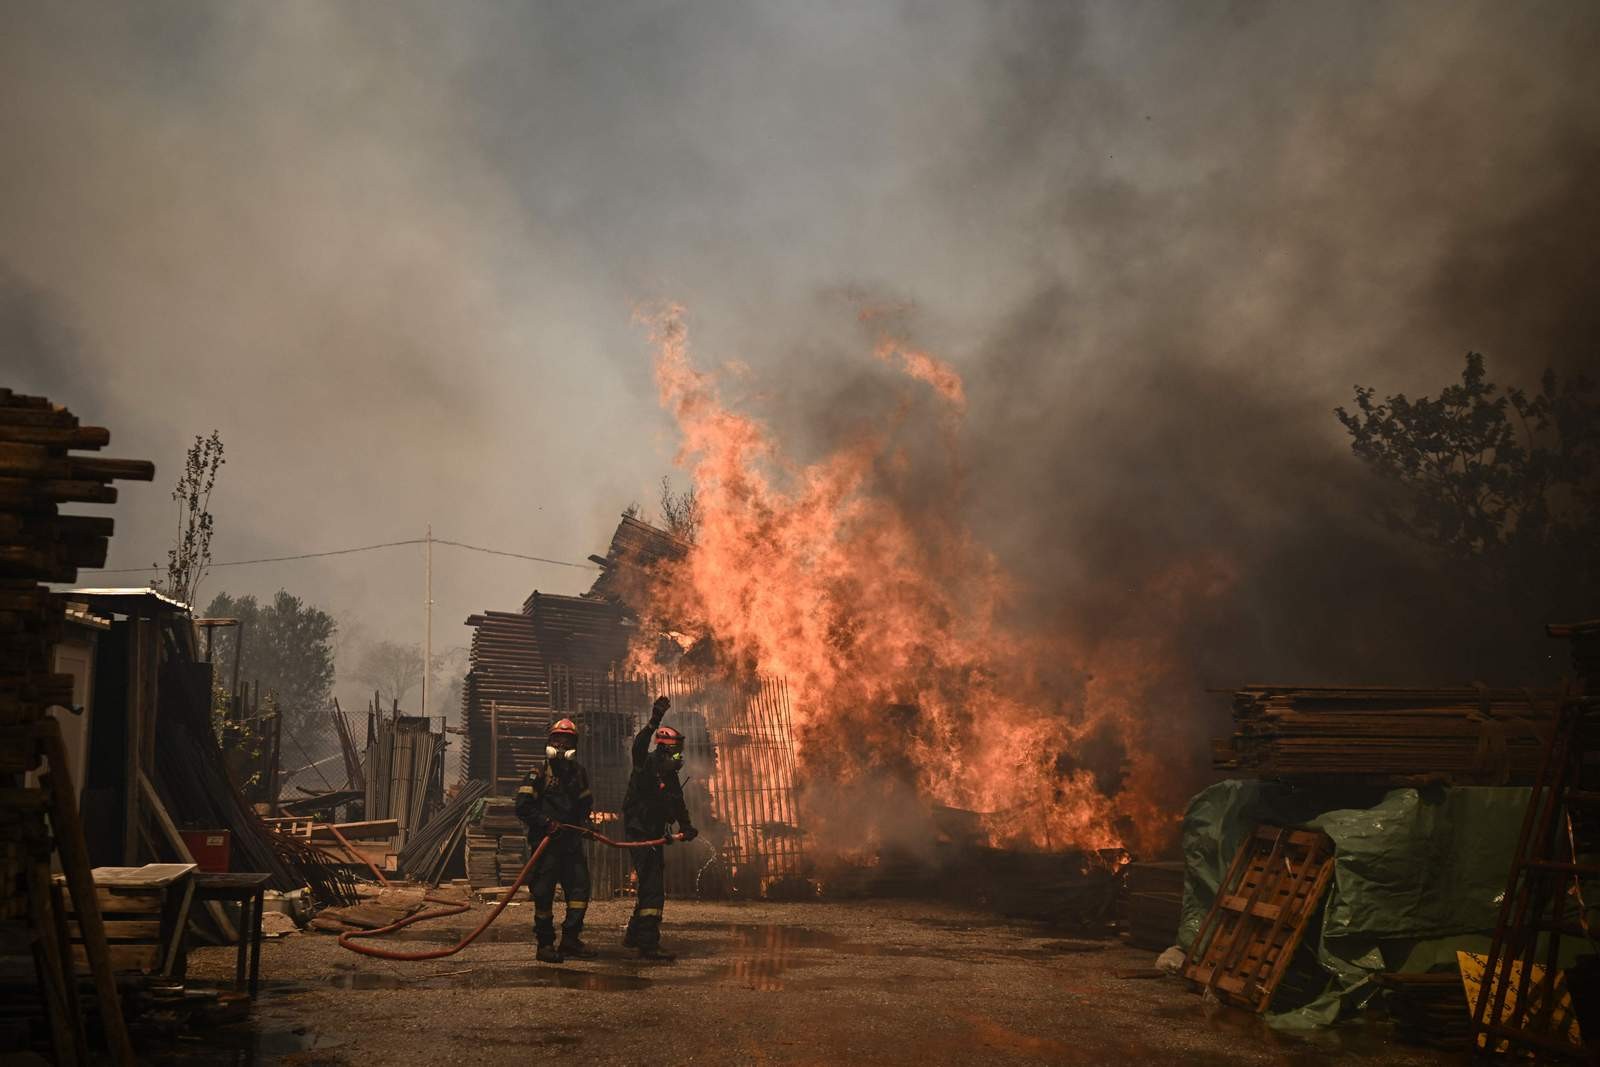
{"type": "Point", "coordinates": [1243, 948]}
{"type": "Point", "coordinates": [39, 816]}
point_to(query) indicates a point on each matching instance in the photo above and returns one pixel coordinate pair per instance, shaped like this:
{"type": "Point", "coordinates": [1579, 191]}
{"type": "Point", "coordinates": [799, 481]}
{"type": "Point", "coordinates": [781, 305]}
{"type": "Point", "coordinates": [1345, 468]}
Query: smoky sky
{"type": "Point", "coordinates": [393, 252]}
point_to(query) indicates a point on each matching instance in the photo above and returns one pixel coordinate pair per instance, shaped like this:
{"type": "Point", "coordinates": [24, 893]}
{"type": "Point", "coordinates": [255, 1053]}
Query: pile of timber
{"type": "Point", "coordinates": [1383, 735]}
{"type": "Point", "coordinates": [361, 844]}
{"type": "Point", "coordinates": [1153, 903]}
{"type": "Point", "coordinates": [404, 770]}
{"type": "Point", "coordinates": [497, 844]}
{"type": "Point", "coordinates": [387, 907]}
{"type": "Point", "coordinates": [428, 855]}
{"type": "Point", "coordinates": [560, 652]}
{"type": "Point", "coordinates": [39, 826]}
{"type": "Point", "coordinates": [631, 565]}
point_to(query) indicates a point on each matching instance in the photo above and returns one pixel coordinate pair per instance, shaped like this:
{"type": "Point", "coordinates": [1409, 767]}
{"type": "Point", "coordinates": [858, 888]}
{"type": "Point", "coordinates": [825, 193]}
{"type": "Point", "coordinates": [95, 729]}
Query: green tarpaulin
{"type": "Point", "coordinates": [1418, 874]}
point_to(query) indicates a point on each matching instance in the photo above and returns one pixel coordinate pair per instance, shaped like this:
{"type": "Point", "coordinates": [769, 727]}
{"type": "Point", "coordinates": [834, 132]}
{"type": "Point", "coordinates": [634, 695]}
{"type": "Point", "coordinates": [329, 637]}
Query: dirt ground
{"type": "Point", "coordinates": [820, 983]}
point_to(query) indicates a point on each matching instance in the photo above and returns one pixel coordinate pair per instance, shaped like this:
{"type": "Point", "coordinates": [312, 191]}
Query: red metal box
{"type": "Point", "coordinates": [209, 848]}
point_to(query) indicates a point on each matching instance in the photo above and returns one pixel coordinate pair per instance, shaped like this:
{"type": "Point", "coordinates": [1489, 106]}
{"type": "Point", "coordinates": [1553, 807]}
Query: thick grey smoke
{"type": "Point", "coordinates": [391, 252]}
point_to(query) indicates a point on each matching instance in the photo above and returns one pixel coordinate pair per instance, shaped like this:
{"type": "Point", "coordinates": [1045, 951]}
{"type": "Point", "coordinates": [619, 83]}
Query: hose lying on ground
{"type": "Point", "coordinates": [347, 939]}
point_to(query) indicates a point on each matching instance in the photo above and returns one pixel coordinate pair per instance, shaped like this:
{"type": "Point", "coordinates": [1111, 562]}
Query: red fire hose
{"type": "Point", "coordinates": [347, 939]}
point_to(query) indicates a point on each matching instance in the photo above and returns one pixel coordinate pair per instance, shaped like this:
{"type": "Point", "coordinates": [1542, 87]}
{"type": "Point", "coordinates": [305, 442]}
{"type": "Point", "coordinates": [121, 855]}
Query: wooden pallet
{"type": "Point", "coordinates": [1263, 905]}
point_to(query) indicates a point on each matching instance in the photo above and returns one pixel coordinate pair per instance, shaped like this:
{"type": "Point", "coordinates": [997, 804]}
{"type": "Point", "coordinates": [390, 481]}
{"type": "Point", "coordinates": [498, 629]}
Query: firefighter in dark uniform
{"type": "Point", "coordinates": [558, 793]}
{"type": "Point", "coordinates": [654, 799]}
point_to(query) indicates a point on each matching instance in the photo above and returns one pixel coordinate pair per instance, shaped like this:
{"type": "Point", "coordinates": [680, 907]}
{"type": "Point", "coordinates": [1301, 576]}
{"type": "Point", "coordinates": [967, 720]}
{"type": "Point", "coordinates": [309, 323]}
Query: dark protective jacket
{"type": "Point", "coordinates": [560, 791]}
{"type": "Point", "coordinates": [655, 796]}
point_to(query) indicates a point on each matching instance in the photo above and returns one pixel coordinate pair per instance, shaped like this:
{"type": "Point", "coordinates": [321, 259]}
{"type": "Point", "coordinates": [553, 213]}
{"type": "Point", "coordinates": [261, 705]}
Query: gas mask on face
{"type": "Point", "coordinates": [563, 742]}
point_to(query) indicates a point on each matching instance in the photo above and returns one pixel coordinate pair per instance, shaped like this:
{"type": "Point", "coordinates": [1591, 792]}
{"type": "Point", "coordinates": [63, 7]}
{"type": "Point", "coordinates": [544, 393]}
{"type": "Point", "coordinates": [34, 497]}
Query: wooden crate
{"type": "Point", "coordinates": [145, 910]}
{"type": "Point", "coordinates": [1261, 912]}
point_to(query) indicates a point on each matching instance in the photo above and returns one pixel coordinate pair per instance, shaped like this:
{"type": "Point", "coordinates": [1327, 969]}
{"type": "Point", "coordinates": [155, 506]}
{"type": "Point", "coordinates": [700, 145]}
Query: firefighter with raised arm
{"type": "Point", "coordinates": [557, 795]}
{"type": "Point", "coordinates": [654, 799]}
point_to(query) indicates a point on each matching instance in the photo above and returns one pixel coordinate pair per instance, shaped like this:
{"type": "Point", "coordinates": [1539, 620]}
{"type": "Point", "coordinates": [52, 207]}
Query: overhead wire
{"type": "Point", "coordinates": [359, 548]}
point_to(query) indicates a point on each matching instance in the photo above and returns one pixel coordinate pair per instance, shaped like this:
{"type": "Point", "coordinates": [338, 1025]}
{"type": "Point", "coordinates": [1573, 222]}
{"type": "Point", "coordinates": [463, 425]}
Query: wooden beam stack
{"type": "Point", "coordinates": [559, 656]}
{"type": "Point", "coordinates": [1380, 735]}
{"type": "Point", "coordinates": [497, 844]}
{"type": "Point", "coordinates": [39, 473]}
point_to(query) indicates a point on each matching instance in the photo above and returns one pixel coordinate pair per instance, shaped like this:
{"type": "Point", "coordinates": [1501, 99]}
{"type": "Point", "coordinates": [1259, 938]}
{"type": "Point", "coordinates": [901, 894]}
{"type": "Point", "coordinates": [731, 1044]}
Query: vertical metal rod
{"type": "Point", "coordinates": [427, 654]}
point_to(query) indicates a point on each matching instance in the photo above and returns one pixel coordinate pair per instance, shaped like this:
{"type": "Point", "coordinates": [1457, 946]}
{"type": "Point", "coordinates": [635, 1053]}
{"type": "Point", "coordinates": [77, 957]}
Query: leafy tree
{"type": "Point", "coordinates": [190, 556]}
{"type": "Point", "coordinates": [287, 648]}
{"type": "Point", "coordinates": [1504, 483]}
{"type": "Point", "coordinates": [448, 680]}
{"type": "Point", "coordinates": [392, 668]}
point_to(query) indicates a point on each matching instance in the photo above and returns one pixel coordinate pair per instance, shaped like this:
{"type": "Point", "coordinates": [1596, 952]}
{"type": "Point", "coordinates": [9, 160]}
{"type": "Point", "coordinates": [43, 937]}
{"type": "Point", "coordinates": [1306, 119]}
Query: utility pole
{"type": "Point", "coordinates": [427, 653]}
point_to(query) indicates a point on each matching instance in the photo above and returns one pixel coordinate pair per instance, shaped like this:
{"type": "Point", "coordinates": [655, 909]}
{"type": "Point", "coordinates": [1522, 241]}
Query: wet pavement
{"type": "Point", "coordinates": [864, 982]}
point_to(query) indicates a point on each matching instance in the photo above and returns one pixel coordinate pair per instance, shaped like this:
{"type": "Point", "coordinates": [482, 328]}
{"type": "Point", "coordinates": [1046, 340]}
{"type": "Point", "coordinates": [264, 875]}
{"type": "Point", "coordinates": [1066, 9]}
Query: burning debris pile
{"type": "Point", "coordinates": [911, 683]}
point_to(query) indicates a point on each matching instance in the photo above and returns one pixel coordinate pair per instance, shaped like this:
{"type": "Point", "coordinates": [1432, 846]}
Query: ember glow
{"type": "Point", "coordinates": [912, 685]}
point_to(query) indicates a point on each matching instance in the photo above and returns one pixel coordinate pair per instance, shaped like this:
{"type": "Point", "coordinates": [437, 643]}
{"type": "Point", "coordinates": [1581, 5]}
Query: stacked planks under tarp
{"type": "Point", "coordinates": [39, 819]}
{"type": "Point", "coordinates": [1381, 735]}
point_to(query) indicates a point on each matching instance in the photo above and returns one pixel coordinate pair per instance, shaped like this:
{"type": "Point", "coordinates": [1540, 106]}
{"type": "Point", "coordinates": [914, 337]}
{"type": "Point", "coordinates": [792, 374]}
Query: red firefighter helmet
{"type": "Point", "coordinates": [567, 731]}
{"type": "Point", "coordinates": [668, 738]}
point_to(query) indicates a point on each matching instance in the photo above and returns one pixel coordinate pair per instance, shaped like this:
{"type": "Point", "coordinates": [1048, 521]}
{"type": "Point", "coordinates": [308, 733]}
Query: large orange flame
{"type": "Point", "coordinates": [893, 632]}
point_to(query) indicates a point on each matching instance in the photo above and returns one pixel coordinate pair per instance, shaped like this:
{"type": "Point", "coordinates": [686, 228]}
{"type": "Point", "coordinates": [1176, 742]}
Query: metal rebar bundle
{"type": "Point", "coordinates": [428, 852]}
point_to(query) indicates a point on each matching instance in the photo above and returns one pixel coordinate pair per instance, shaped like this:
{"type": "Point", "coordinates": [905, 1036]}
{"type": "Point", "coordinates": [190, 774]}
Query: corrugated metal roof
{"type": "Point", "coordinates": [105, 597]}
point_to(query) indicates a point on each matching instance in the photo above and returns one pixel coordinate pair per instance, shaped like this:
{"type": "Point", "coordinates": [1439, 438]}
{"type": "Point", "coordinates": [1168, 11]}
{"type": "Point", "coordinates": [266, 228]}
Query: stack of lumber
{"type": "Point", "coordinates": [364, 844]}
{"type": "Point", "coordinates": [38, 826]}
{"type": "Point", "coordinates": [558, 655]}
{"type": "Point", "coordinates": [1387, 735]}
{"type": "Point", "coordinates": [631, 565]}
{"type": "Point", "coordinates": [483, 869]}
{"type": "Point", "coordinates": [497, 844]}
{"type": "Point", "coordinates": [1153, 903]}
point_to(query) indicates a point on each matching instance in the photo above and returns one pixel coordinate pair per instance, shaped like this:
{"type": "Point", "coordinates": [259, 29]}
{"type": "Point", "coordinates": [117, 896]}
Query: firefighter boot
{"type": "Point", "coordinates": [574, 948]}
{"type": "Point", "coordinates": [548, 954]}
{"type": "Point", "coordinates": [655, 954]}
